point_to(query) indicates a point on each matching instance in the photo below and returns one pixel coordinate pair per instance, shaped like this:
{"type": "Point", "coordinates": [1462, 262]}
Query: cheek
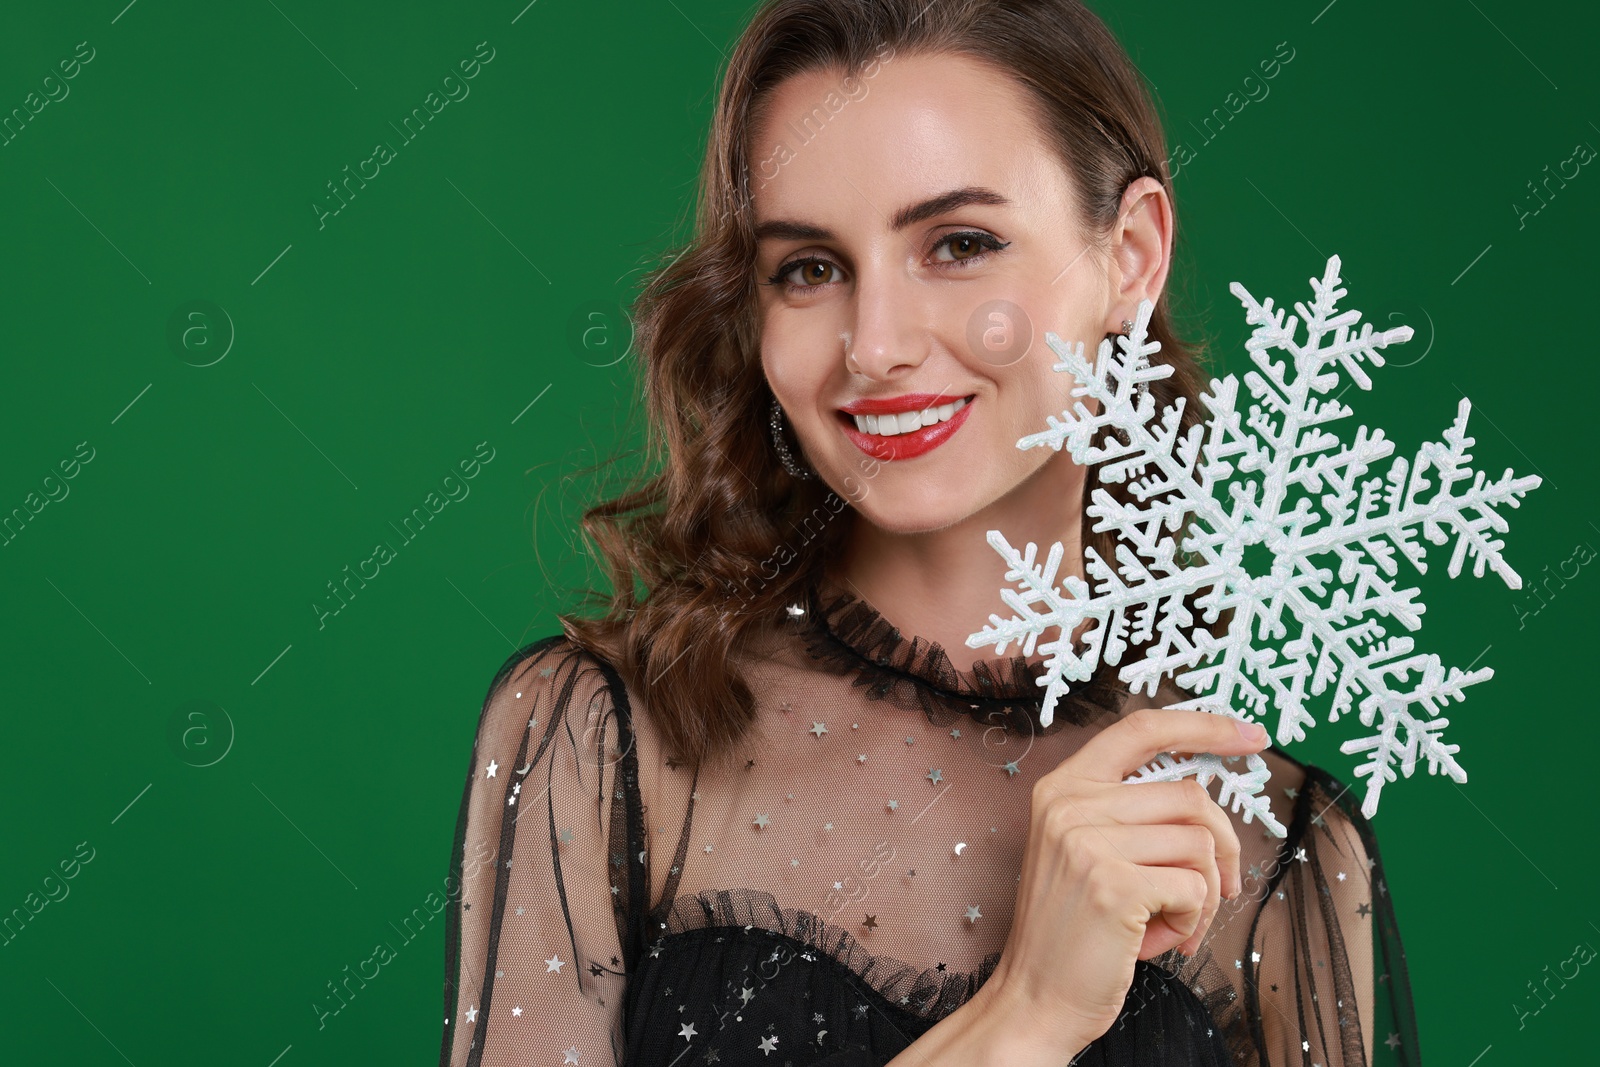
{"type": "Point", "coordinates": [1030, 392]}
{"type": "Point", "coordinates": [1054, 388]}
{"type": "Point", "coordinates": [1057, 310]}
{"type": "Point", "coordinates": [999, 329]}
{"type": "Point", "coordinates": [797, 357]}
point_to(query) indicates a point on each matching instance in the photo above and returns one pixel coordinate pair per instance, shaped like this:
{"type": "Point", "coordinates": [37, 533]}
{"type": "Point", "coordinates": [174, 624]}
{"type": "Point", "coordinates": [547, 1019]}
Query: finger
{"type": "Point", "coordinates": [1133, 741]}
{"type": "Point", "coordinates": [1164, 845]}
{"type": "Point", "coordinates": [1171, 895]}
{"type": "Point", "coordinates": [1186, 801]}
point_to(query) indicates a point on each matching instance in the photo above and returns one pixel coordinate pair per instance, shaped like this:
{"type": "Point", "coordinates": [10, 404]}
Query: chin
{"type": "Point", "coordinates": [913, 510]}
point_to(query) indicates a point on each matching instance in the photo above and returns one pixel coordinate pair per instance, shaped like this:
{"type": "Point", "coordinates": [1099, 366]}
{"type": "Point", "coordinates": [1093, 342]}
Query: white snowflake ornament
{"type": "Point", "coordinates": [1284, 524]}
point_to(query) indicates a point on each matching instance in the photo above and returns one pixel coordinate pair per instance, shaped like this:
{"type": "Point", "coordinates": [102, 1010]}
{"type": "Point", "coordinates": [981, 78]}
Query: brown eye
{"type": "Point", "coordinates": [814, 271]}
{"type": "Point", "coordinates": [967, 247]}
{"type": "Point", "coordinates": [964, 246]}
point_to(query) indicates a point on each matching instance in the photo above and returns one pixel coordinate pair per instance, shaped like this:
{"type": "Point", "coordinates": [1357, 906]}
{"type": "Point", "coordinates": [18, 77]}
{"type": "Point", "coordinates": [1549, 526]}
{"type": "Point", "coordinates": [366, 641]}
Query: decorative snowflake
{"type": "Point", "coordinates": [1295, 495]}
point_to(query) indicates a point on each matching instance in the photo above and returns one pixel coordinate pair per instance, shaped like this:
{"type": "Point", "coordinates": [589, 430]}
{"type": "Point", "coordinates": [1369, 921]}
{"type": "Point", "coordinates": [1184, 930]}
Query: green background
{"type": "Point", "coordinates": [159, 615]}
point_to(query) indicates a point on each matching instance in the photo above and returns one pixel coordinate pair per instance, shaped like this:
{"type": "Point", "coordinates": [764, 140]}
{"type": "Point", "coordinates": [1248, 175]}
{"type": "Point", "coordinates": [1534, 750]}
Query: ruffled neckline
{"type": "Point", "coordinates": [846, 634]}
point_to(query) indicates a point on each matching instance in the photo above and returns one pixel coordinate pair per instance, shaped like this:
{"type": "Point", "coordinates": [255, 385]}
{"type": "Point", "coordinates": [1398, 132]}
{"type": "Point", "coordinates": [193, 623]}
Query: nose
{"type": "Point", "coordinates": [891, 335]}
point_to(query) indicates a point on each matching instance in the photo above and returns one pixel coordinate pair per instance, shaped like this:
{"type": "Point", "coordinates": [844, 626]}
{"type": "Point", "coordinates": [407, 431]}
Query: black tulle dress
{"type": "Point", "coordinates": [849, 879]}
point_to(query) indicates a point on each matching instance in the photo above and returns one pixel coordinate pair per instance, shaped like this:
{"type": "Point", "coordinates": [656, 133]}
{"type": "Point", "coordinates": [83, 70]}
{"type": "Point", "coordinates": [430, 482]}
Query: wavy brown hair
{"type": "Point", "coordinates": [704, 554]}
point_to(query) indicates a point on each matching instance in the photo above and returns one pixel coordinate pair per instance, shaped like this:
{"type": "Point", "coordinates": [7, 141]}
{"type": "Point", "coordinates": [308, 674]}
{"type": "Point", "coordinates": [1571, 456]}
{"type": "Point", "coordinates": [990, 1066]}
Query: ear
{"type": "Point", "coordinates": [1141, 249]}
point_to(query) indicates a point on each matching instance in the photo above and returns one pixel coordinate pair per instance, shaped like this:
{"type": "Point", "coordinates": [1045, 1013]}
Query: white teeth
{"type": "Point", "coordinates": [906, 421]}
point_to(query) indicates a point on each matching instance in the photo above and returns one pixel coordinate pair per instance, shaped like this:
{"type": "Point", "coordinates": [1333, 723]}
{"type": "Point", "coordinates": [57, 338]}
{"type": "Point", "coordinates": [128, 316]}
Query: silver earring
{"type": "Point", "coordinates": [1144, 387]}
{"type": "Point", "coordinates": [775, 420]}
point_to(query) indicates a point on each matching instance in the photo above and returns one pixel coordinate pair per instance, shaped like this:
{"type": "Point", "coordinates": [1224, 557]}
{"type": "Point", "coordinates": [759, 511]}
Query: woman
{"type": "Point", "coordinates": [746, 812]}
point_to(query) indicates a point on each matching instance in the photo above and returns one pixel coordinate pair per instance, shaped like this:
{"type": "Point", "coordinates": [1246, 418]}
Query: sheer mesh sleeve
{"type": "Point", "coordinates": [1331, 980]}
{"type": "Point", "coordinates": [1306, 967]}
{"type": "Point", "coordinates": [539, 940]}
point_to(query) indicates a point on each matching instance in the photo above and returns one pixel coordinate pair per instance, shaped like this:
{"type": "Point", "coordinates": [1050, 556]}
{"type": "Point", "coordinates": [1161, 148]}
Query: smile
{"type": "Point", "coordinates": [903, 435]}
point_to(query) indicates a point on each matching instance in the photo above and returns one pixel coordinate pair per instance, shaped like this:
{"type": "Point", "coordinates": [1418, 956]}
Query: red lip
{"type": "Point", "coordinates": [906, 445]}
{"type": "Point", "coordinates": [894, 405]}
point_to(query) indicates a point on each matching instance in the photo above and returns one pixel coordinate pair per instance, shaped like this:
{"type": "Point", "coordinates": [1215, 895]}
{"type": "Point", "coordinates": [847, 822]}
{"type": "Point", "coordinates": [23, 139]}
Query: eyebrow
{"type": "Point", "coordinates": [790, 230]}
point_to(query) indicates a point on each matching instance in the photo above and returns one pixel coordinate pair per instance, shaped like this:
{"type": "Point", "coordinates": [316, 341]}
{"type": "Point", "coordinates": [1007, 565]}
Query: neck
{"type": "Point", "coordinates": [942, 585]}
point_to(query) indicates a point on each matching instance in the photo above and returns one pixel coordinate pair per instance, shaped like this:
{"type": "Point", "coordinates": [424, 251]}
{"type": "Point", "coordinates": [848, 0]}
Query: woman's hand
{"type": "Point", "coordinates": [1114, 872]}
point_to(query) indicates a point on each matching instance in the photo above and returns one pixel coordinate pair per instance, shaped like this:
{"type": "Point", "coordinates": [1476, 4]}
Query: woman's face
{"type": "Point", "coordinates": [921, 233]}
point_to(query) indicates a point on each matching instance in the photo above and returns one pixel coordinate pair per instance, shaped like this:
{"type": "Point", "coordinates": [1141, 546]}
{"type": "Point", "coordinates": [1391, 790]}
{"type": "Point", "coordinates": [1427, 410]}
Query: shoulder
{"type": "Point", "coordinates": [1320, 814]}
{"type": "Point", "coordinates": [1313, 790]}
{"type": "Point", "coordinates": [1321, 811]}
{"type": "Point", "coordinates": [554, 694]}
{"type": "Point", "coordinates": [564, 698]}
{"type": "Point", "coordinates": [554, 670]}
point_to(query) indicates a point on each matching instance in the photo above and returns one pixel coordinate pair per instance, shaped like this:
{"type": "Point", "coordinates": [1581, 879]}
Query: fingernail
{"type": "Point", "coordinates": [1251, 731]}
